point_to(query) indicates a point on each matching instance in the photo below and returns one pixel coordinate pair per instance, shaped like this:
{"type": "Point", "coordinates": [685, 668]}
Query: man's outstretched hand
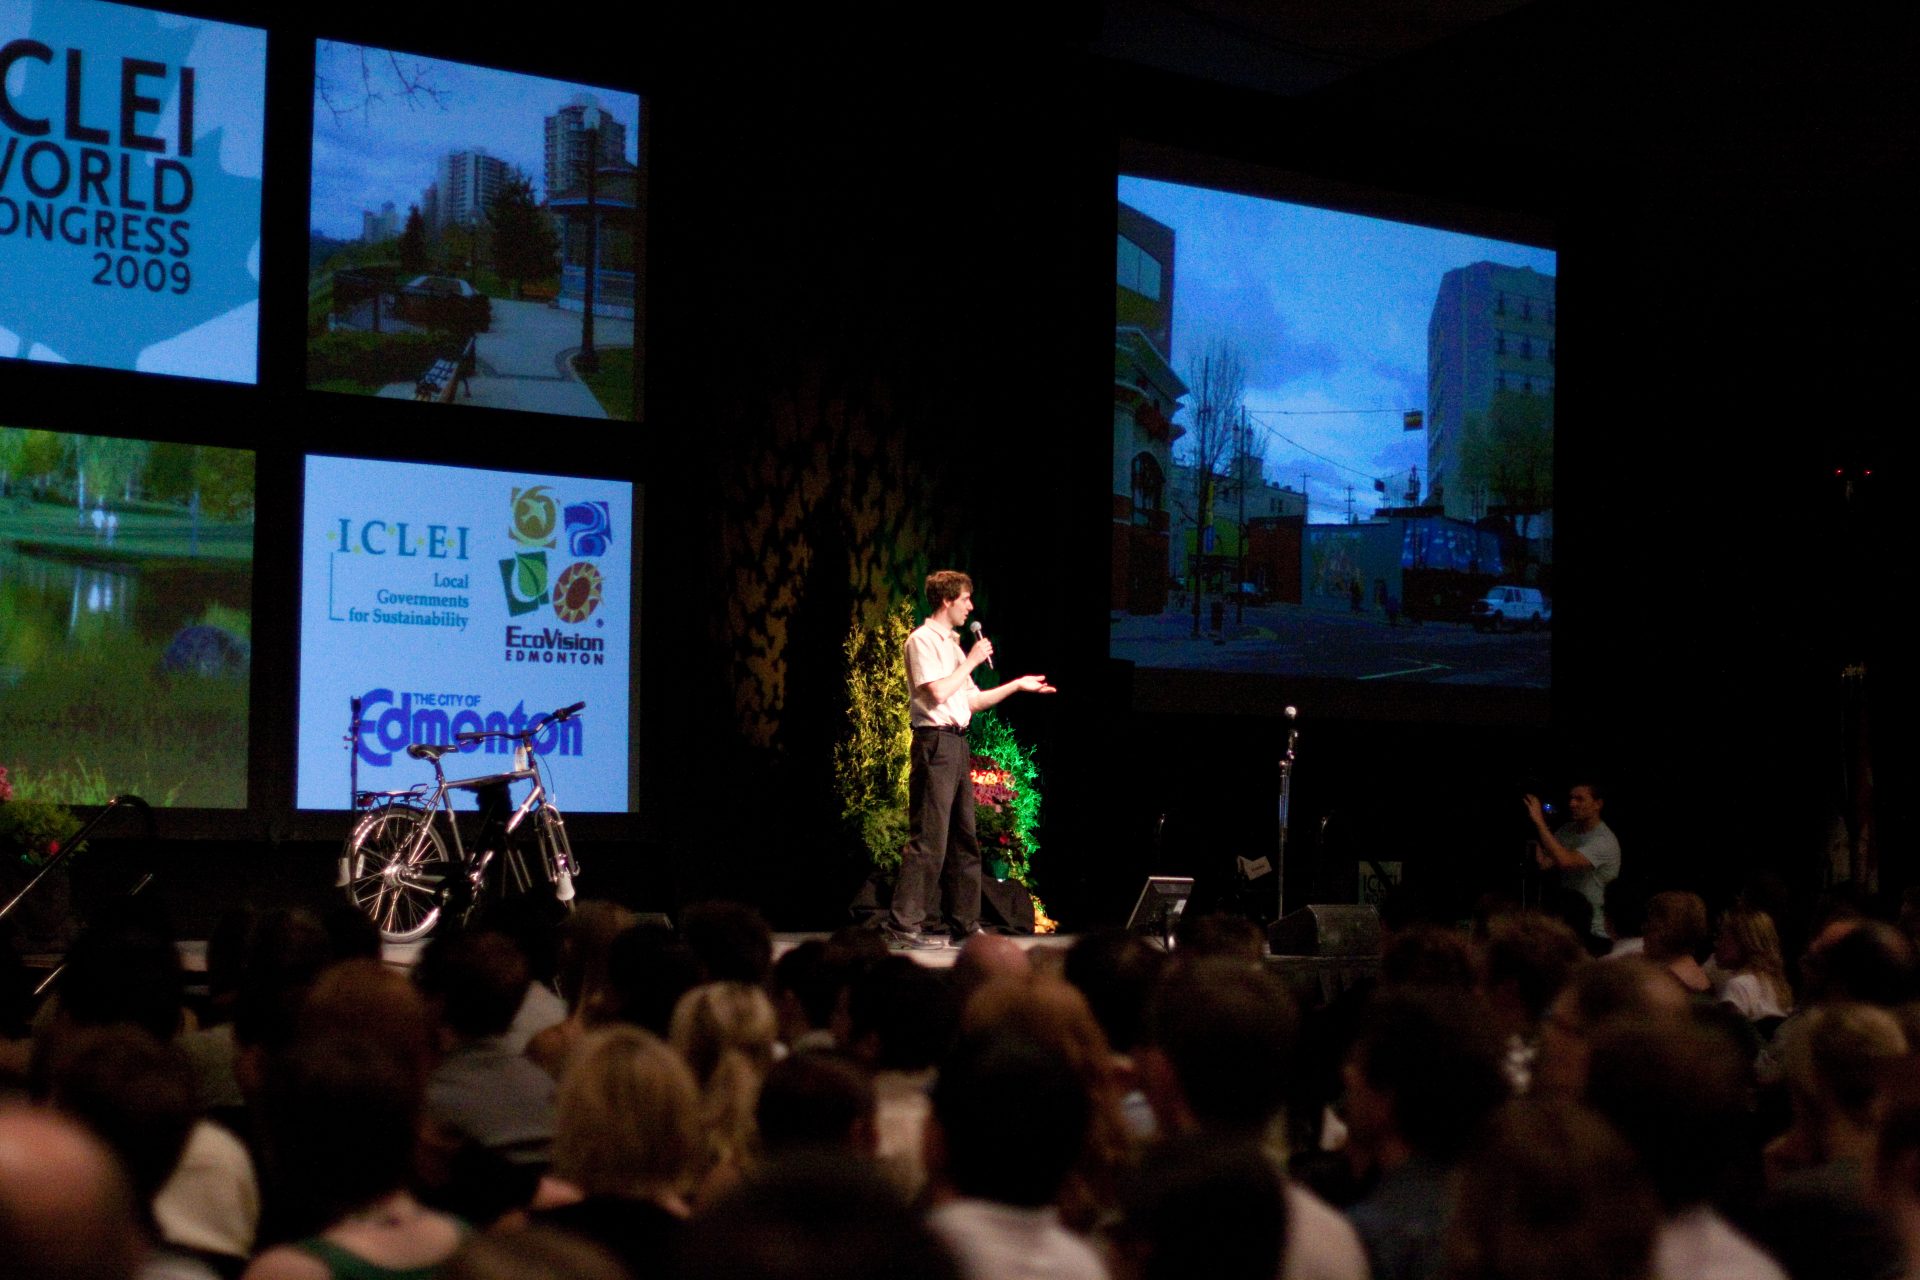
{"type": "Point", "coordinates": [1034, 684]}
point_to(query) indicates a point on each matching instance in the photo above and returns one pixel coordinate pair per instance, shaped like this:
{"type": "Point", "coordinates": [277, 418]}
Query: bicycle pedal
{"type": "Point", "coordinates": [563, 886]}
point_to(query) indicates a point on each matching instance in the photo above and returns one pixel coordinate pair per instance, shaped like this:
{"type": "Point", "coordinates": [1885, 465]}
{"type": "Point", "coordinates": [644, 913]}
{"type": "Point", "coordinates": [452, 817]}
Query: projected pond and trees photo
{"type": "Point", "coordinates": [1333, 443]}
{"type": "Point", "coordinates": [126, 595]}
{"type": "Point", "coordinates": [475, 236]}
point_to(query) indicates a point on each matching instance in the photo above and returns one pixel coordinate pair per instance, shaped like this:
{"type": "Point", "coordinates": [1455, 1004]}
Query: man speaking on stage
{"type": "Point", "coordinates": [942, 849]}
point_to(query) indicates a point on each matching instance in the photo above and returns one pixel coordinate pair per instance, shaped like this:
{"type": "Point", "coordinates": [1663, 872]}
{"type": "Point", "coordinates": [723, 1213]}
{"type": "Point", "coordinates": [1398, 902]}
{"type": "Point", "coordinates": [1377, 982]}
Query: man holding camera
{"type": "Point", "coordinates": [1583, 849]}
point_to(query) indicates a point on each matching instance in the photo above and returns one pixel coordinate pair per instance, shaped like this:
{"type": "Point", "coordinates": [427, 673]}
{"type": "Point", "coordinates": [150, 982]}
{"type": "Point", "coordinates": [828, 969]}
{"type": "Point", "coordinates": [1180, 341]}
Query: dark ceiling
{"type": "Point", "coordinates": [1287, 47]}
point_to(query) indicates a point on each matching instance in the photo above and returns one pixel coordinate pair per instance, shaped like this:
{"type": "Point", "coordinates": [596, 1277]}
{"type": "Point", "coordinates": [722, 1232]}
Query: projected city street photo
{"type": "Point", "coordinates": [126, 598]}
{"type": "Point", "coordinates": [1333, 444]}
{"type": "Point", "coordinates": [476, 237]}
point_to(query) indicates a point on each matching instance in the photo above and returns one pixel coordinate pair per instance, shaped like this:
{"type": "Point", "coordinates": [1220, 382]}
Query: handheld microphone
{"type": "Point", "coordinates": [974, 627]}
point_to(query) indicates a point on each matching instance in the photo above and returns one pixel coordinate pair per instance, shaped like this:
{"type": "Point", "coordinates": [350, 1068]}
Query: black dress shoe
{"type": "Point", "coordinates": [961, 934]}
{"type": "Point", "coordinates": [898, 941]}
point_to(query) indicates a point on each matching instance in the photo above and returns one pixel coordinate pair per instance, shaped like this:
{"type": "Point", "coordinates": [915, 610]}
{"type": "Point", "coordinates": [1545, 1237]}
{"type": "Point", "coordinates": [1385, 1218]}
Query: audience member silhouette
{"type": "Point", "coordinates": [1551, 1192]}
{"type": "Point", "coordinates": [1216, 1051]}
{"type": "Point", "coordinates": [816, 1099]}
{"type": "Point", "coordinates": [339, 1119]}
{"type": "Point", "coordinates": [1676, 936]}
{"type": "Point", "coordinates": [1421, 1079]}
{"type": "Point", "coordinates": [66, 1209]}
{"type": "Point", "coordinates": [815, 1216]}
{"type": "Point", "coordinates": [1001, 1216]}
{"type": "Point", "coordinates": [1680, 1092]}
{"type": "Point", "coordinates": [1200, 1205]}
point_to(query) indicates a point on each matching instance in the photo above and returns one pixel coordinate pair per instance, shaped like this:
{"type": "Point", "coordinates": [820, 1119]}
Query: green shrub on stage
{"type": "Point", "coordinates": [1007, 812]}
{"type": "Point", "coordinates": [871, 762]}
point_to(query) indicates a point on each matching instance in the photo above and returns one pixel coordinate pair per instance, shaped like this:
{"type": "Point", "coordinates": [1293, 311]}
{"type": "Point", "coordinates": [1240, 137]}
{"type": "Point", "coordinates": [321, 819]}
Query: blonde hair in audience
{"type": "Point", "coordinates": [628, 1117]}
{"type": "Point", "coordinates": [726, 1033]}
{"type": "Point", "coordinates": [1758, 944]}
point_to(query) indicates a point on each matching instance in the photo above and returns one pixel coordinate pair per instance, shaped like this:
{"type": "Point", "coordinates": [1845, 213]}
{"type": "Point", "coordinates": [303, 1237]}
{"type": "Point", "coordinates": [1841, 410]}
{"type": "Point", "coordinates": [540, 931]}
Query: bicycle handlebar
{"type": "Point", "coordinates": [553, 717]}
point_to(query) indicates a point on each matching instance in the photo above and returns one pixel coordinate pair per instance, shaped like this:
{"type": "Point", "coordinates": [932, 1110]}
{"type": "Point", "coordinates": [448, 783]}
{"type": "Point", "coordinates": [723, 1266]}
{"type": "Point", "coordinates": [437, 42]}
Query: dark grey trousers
{"type": "Point", "coordinates": [942, 849]}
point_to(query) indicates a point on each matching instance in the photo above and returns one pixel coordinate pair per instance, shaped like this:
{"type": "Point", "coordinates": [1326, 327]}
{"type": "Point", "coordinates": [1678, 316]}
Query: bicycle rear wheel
{"type": "Point", "coordinates": [397, 870]}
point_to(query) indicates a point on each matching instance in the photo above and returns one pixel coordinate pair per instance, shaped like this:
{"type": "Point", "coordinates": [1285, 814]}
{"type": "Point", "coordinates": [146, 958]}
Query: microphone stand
{"type": "Point", "coordinates": [1286, 796]}
{"type": "Point", "coordinates": [353, 754]}
{"type": "Point", "coordinates": [343, 872]}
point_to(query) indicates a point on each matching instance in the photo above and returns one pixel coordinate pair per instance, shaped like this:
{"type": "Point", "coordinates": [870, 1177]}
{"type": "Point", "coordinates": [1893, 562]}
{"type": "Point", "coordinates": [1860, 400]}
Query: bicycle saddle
{"type": "Point", "coordinates": [430, 751]}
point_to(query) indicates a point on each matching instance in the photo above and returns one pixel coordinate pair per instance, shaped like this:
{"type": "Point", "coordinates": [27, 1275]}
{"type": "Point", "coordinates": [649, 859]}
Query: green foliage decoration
{"type": "Point", "coordinates": [871, 762]}
{"type": "Point", "coordinates": [1007, 810]}
{"type": "Point", "coordinates": [32, 830]}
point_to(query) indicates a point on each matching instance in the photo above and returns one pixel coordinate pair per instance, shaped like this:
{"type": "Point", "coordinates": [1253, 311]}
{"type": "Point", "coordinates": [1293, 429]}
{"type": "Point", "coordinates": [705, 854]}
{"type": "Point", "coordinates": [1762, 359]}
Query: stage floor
{"type": "Point", "coordinates": [401, 955]}
{"type": "Point", "coordinates": [1314, 979]}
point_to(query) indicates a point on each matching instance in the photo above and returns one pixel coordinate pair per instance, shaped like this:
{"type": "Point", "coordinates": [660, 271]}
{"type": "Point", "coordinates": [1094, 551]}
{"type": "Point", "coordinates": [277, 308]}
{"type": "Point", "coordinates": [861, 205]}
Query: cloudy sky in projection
{"type": "Point", "coordinates": [382, 120]}
{"type": "Point", "coordinates": [1330, 311]}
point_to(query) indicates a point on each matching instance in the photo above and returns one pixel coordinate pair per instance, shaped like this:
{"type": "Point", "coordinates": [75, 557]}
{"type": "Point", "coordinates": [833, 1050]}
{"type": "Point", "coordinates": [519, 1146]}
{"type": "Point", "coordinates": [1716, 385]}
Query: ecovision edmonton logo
{"type": "Point", "coordinates": [575, 595]}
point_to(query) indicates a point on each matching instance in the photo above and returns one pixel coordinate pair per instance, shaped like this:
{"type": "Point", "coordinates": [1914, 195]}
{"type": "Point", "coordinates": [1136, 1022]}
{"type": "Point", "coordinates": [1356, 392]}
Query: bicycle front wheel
{"type": "Point", "coordinates": [556, 853]}
{"type": "Point", "coordinates": [397, 869]}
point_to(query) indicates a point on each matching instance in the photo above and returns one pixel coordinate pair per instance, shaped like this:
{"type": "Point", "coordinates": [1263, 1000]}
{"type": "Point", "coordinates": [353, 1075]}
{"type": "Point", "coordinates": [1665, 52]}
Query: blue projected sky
{"type": "Point", "coordinates": [372, 147]}
{"type": "Point", "coordinates": [1330, 312]}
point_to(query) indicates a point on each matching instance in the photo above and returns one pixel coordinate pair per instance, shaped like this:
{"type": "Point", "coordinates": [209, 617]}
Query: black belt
{"type": "Point", "coordinates": [940, 728]}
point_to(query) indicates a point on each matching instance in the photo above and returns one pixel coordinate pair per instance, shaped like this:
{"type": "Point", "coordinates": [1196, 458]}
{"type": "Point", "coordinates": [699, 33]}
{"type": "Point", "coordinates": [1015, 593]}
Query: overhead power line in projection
{"type": "Point", "coordinates": [1276, 433]}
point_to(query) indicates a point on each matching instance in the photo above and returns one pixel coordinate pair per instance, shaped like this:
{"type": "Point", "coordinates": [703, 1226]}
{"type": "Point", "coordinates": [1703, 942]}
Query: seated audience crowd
{"type": "Point", "coordinates": [600, 1097]}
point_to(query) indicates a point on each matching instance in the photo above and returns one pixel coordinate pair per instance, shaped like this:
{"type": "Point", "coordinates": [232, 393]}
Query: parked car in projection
{"type": "Point", "coordinates": [1515, 607]}
{"type": "Point", "coordinates": [444, 302]}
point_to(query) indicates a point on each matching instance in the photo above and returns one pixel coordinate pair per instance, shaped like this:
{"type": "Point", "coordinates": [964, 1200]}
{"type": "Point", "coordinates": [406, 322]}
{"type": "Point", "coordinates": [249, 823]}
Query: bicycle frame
{"type": "Point", "coordinates": [400, 870]}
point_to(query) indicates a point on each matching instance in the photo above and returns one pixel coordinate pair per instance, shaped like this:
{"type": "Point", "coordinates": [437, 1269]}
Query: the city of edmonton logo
{"type": "Point", "coordinates": [537, 526]}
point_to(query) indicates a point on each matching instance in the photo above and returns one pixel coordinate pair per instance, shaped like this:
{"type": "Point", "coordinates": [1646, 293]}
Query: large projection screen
{"type": "Point", "coordinates": [130, 169]}
{"type": "Point", "coordinates": [1333, 445]}
{"type": "Point", "coordinates": [449, 599]}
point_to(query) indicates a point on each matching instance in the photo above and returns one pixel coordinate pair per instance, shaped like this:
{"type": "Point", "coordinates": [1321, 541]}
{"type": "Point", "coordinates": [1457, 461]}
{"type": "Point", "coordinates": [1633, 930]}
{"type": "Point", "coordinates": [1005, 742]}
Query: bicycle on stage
{"type": "Point", "coordinates": [406, 866]}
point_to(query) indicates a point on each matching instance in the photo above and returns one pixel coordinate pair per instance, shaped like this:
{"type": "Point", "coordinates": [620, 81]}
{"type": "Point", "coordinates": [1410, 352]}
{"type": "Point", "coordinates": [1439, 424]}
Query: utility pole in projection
{"type": "Point", "coordinates": [588, 361]}
{"type": "Point", "coordinates": [1202, 492]}
{"type": "Point", "coordinates": [1240, 541]}
{"type": "Point", "coordinates": [1349, 504]}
